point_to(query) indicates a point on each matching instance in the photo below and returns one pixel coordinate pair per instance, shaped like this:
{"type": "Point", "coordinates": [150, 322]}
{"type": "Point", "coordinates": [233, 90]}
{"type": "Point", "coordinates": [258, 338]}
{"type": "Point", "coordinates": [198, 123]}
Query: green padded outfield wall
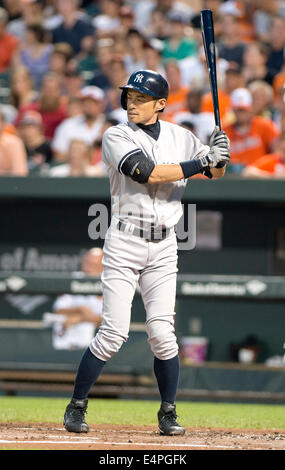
{"type": "Point", "coordinates": [240, 231]}
{"type": "Point", "coordinates": [44, 224]}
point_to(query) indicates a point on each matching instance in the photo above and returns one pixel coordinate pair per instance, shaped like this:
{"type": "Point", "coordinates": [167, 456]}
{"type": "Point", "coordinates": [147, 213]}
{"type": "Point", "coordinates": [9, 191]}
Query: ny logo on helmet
{"type": "Point", "coordinates": [138, 78]}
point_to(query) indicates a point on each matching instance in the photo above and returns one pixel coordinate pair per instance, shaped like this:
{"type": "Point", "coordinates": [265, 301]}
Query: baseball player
{"type": "Point", "coordinates": [149, 162]}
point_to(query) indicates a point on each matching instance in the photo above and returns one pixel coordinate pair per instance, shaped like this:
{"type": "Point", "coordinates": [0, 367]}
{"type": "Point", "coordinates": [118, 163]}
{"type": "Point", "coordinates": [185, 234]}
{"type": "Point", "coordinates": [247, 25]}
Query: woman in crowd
{"type": "Point", "coordinates": [22, 91]}
{"type": "Point", "coordinates": [35, 53]}
{"type": "Point", "coordinates": [254, 63]}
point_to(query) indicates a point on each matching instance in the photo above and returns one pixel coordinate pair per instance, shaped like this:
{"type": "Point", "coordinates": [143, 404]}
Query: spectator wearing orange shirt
{"type": "Point", "coordinates": [271, 165]}
{"type": "Point", "coordinates": [177, 99]}
{"type": "Point", "coordinates": [13, 157]}
{"type": "Point", "coordinates": [224, 104]}
{"type": "Point", "coordinates": [279, 110]}
{"type": "Point", "coordinates": [279, 82]}
{"type": "Point", "coordinates": [8, 42]}
{"type": "Point", "coordinates": [250, 136]}
{"type": "Point", "coordinates": [233, 79]}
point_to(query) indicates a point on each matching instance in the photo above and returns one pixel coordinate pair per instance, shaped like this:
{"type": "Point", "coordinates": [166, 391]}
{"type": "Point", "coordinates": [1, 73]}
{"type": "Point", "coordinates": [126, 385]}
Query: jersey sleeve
{"type": "Point", "coordinates": [96, 305]}
{"type": "Point", "coordinates": [195, 148]}
{"type": "Point", "coordinates": [117, 146]}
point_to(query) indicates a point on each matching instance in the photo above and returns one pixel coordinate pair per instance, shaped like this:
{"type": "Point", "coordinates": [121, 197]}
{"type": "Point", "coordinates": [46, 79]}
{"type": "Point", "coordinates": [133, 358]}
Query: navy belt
{"type": "Point", "coordinates": [155, 234]}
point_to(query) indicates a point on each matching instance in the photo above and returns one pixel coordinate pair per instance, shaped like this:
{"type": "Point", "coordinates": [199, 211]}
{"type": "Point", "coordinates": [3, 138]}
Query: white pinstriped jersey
{"type": "Point", "coordinates": [158, 204]}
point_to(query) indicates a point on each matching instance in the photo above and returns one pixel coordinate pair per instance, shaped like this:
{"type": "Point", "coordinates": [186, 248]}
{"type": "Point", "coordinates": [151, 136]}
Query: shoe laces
{"type": "Point", "coordinates": [78, 412]}
{"type": "Point", "coordinates": [170, 417]}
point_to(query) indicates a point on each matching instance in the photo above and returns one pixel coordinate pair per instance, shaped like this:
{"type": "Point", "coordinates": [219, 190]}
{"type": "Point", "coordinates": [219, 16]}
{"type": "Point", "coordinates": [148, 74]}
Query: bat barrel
{"type": "Point", "coordinates": [207, 28]}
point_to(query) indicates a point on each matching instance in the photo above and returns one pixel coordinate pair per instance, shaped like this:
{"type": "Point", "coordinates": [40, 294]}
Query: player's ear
{"type": "Point", "coordinates": [160, 104]}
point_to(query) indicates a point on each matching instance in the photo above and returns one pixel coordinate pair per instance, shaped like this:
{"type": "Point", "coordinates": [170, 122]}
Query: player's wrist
{"type": "Point", "coordinates": [220, 165]}
{"type": "Point", "coordinates": [206, 162]}
{"type": "Point", "coordinates": [195, 166]}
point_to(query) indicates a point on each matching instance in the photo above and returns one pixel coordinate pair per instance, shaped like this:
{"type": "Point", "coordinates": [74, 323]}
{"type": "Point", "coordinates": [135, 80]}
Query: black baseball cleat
{"type": "Point", "coordinates": [74, 416]}
{"type": "Point", "coordinates": [167, 423]}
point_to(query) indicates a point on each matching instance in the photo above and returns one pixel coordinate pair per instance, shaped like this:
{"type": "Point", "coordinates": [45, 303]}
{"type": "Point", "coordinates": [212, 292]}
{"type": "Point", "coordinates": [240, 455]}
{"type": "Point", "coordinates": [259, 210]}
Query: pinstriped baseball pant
{"type": "Point", "coordinates": [129, 259]}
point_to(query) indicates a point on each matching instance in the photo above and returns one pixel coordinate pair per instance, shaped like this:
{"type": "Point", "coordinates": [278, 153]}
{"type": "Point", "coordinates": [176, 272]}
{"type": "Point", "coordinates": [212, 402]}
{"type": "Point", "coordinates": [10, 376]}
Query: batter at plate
{"type": "Point", "coordinates": [149, 162]}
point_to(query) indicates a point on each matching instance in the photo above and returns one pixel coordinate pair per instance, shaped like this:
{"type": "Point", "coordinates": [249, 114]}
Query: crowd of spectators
{"type": "Point", "coordinates": [62, 63]}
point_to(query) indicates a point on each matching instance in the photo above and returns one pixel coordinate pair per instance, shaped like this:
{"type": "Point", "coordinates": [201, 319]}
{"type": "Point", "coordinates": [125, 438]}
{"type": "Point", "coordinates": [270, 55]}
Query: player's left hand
{"type": "Point", "coordinates": [219, 139]}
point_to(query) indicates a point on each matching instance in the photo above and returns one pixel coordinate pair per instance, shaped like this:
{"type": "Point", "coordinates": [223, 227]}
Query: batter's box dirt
{"type": "Point", "coordinates": [114, 437]}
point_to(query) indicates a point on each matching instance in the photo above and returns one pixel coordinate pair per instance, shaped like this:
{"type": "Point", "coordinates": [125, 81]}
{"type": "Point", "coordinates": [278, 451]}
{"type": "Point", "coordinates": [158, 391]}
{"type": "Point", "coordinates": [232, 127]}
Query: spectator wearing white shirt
{"type": "Point", "coordinates": [193, 71]}
{"type": "Point", "coordinates": [87, 126]}
{"type": "Point", "coordinates": [203, 123]}
{"type": "Point", "coordinates": [81, 314]}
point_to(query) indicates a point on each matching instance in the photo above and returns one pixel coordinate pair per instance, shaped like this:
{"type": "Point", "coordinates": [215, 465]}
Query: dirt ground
{"type": "Point", "coordinates": [114, 437]}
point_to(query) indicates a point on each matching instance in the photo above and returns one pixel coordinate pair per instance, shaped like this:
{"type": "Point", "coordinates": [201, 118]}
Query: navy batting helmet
{"type": "Point", "coordinates": [145, 81]}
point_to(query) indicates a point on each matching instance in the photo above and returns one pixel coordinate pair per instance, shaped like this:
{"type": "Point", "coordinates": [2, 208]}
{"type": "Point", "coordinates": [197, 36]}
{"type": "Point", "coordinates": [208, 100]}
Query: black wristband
{"type": "Point", "coordinates": [220, 164]}
{"type": "Point", "coordinates": [191, 167]}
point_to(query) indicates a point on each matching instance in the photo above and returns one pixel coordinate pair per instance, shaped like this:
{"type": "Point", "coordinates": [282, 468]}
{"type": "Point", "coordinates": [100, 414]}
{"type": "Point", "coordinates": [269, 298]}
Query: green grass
{"type": "Point", "coordinates": [138, 412]}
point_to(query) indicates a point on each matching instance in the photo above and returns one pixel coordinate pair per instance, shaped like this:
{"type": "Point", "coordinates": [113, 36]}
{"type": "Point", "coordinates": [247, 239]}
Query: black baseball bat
{"type": "Point", "coordinates": [208, 34]}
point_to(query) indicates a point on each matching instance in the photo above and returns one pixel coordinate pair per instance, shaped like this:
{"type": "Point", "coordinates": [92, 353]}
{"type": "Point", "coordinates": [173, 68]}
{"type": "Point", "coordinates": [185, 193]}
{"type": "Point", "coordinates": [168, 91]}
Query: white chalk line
{"type": "Point", "coordinates": [128, 444]}
{"type": "Point", "coordinates": [97, 430]}
{"type": "Point", "coordinates": [94, 440]}
{"type": "Point", "coordinates": [4, 441]}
